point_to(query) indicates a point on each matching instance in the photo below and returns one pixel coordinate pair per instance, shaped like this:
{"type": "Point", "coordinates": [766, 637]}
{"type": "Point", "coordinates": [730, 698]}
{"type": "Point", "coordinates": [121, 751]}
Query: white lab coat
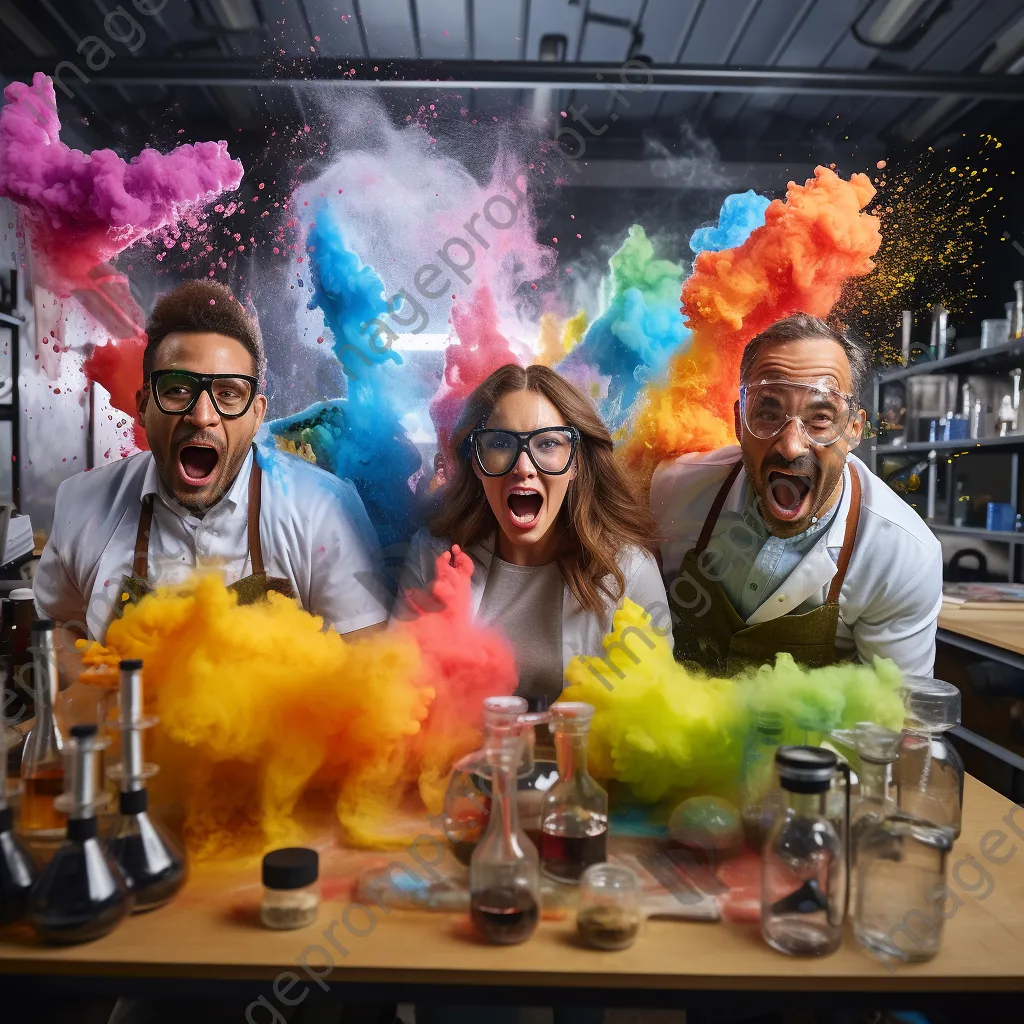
{"type": "Point", "coordinates": [582, 630]}
{"type": "Point", "coordinates": [890, 599]}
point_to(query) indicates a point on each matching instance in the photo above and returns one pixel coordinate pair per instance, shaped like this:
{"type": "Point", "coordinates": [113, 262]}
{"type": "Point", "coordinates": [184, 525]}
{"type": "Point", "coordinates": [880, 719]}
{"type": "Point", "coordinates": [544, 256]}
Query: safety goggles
{"type": "Point", "coordinates": [823, 413]}
{"type": "Point", "coordinates": [550, 449]}
{"type": "Point", "coordinates": [177, 391]}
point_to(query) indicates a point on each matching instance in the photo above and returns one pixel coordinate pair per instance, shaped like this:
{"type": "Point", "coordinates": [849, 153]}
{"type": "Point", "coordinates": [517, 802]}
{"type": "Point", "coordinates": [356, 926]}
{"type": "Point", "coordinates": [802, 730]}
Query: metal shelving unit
{"type": "Point", "coordinates": [999, 358]}
{"type": "Point", "coordinates": [12, 322]}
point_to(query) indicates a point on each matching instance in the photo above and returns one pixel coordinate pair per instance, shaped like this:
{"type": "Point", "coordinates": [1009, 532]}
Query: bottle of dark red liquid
{"type": "Point", "coordinates": [574, 817]}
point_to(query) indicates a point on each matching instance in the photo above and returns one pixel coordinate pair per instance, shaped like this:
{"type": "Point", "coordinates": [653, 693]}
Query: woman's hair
{"type": "Point", "coordinates": [601, 513]}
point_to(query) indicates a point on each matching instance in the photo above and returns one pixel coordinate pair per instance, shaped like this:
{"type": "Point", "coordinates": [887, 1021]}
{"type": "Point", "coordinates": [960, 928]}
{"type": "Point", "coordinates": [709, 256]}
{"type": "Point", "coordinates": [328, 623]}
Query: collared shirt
{"type": "Point", "coordinates": [749, 581]}
{"type": "Point", "coordinates": [313, 527]}
{"type": "Point", "coordinates": [890, 600]}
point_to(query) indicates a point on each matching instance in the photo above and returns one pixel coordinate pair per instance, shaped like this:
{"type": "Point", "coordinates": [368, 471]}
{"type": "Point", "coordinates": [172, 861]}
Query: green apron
{"type": "Point", "coordinates": [250, 589]}
{"type": "Point", "coordinates": [710, 634]}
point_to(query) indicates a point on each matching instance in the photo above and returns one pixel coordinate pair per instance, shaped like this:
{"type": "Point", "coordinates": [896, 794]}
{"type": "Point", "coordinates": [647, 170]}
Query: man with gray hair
{"type": "Point", "coordinates": [787, 542]}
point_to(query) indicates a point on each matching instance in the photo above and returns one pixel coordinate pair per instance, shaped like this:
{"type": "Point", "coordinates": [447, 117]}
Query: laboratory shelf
{"type": "Point", "coordinates": [983, 359]}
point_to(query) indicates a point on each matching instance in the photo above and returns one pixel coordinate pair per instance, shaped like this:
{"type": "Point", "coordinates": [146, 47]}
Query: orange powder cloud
{"type": "Point", "coordinates": [811, 244]}
{"type": "Point", "coordinates": [266, 720]}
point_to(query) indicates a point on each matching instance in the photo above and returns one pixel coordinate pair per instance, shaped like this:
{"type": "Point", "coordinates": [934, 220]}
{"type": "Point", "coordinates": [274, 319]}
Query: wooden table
{"type": "Point", "coordinates": [997, 628]}
{"type": "Point", "coordinates": [206, 942]}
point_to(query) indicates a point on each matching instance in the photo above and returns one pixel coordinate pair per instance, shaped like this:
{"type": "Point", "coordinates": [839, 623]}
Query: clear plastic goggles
{"type": "Point", "coordinates": [823, 413]}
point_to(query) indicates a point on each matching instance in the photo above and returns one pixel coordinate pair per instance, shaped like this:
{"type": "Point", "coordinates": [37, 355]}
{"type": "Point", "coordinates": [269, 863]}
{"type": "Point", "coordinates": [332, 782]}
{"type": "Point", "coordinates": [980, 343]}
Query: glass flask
{"type": "Point", "coordinates": [574, 819]}
{"type": "Point", "coordinates": [504, 880]}
{"type": "Point", "coordinates": [468, 797]}
{"type": "Point", "coordinates": [17, 867]}
{"type": "Point", "coordinates": [81, 895]}
{"type": "Point", "coordinates": [901, 889]}
{"type": "Point", "coordinates": [149, 857]}
{"type": "Point", "coordinates": [608, 915]}
{"type": "Point", "coordinates": [803, 901]}
{"type": "Point", "coordinates": [930, 771]}
{"type": "Point", "coordinates": [42, 760]}
{"type": "Point", "coordinates": [758, 780]}
{"type": "Point", "coordinates": [877, 750]}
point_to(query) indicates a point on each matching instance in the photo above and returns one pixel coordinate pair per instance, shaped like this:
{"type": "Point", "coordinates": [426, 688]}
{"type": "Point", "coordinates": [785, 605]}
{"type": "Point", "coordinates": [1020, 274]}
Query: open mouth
{"type": "Point", "coordinates": [789, 494]}
{"type": "Point", "coordinates": [197, 463]}
{"type": "Point", "coordinates": [524, 507]}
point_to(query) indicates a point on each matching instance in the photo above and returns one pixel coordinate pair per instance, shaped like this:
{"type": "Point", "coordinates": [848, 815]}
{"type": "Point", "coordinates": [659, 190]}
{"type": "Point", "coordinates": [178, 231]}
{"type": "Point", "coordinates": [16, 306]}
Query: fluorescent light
{"type": "Point", "coordinates": [893, 19]}
{"type": "Point", "coordinates": [24, 31]}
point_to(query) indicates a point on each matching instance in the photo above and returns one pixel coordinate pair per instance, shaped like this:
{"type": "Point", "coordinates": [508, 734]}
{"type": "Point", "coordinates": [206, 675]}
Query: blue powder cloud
{"type": "Point", "coordinates": [741, 214]}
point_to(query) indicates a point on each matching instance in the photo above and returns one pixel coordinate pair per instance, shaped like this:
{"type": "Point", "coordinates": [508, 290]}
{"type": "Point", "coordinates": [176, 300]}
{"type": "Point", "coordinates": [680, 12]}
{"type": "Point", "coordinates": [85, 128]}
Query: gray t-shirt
{"type": "Point", "coordinates": [525, 602]}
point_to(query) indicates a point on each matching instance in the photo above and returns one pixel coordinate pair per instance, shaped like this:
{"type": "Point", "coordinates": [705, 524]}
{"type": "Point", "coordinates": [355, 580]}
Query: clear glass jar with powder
{"type": "Point", "coordinates": [291, 889]}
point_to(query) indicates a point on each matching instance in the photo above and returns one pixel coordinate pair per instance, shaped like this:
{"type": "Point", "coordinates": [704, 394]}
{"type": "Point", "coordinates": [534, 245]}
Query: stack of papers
{"type": "Point", "coordinates": [984, 593]}
{"type": "Point", "coordinates": [19, 541]}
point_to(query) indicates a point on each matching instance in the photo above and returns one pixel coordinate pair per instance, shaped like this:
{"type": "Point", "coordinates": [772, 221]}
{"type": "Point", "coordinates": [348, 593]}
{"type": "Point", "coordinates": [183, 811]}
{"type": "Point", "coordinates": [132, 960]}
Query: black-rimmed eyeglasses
{"type": "Point", "coordinates": [177, 391]}
{"type": "Point", "coordinates": [550, 449]}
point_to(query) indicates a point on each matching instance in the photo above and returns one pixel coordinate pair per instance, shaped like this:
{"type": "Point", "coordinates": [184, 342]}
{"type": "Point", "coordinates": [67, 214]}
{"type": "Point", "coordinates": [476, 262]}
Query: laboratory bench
{"type": "Point", "coordinates": [208, 943]}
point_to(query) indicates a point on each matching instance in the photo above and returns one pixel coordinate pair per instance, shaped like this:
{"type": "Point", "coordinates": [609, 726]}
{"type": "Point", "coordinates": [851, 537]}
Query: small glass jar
{"type": "Point", "coordinates": [291, 893]}
{"type": "Point", "coordinates": [608, 915]}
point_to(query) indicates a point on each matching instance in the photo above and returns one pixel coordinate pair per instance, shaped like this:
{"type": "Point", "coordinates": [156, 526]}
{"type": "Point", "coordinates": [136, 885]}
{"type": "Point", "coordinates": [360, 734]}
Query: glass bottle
{"type": "Point", "coordinates": [574, 819]}
{"type": "Point", "coordinates": [758, 778]}
{"type": "Point", "coordinates": [877, 749]}
{"type": "Point", "coordinates": [504, 881]}
{"type": "Point", "coordinates": [147, 854]}
{"type": "Point", "coordinates": [901, 889]}
{"type": "Point", "coordinates": [930, 772]}
{"type": "Point", "coordinates": [81, 895]}
{"type": "Point", "coordinates": [16, 617]}
{"type": "Point", "coordinates": [42, 761]}
{"type": "Point", "coordinates": [17, 867]}
{"type": "Point", "coordinates": [802, 890]}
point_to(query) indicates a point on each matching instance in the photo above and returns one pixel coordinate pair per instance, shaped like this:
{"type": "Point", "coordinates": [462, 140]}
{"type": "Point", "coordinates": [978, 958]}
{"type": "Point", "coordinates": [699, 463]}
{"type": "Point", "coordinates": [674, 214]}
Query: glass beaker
{"type": "Point", "coordinates": [803, 899]}
{"type": "Point", "coordinates": [467, 803]}
{"type": "Point", "coordinates": [42, 761]}
{"type": "Point", "coordinates": [758, 781]}
{"type": "Point", "coordinates": [901, 889]}
{"type": "Point", "coordinates": [81, 895]}
{"type": "Point", "coordinates": [574, 818]}
{"type": "Point", "coordinates": [608, 915]}
{"type": "Point", "coordinates": [930, 771]}
{"type": "Point", "coordinates": [504, 880]}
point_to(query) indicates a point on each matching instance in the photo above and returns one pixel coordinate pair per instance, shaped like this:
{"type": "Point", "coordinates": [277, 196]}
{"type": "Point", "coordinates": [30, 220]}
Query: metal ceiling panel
{"type": "Point", "coordinates": [335, 24]}
{"type": "Point", "coordinates": [768, 25]}
{"type": "Point", "coordinates": [663, 24]}
{"type": "Point", "coordinates": [713, 31]}
{"type": "Point", "coordinates": [827, 22]}
{"type": "Point", "coordinates": [496, 29]}
{"type": "Point", "coordinates": [973, 36]}
{"type": "Point", "coordinates": [388, 28]}
{"type": "Point", "coordinates": [605, 42]}
{"type": "Point", "coordinates": [286, 23]}
{"type": "Point", "coordinates": [443, 29]}
{"type": "Point", "coordinates": [617, 8]}
{"type": "Point", "coordinates": [552, 17]}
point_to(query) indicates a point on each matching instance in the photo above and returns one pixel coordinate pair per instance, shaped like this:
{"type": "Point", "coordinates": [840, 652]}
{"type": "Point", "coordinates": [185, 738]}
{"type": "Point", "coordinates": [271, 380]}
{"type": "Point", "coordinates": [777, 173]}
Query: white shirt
{"type": "Point", "coordinates": [890, 599]}
{"type": "Point", "coordinates": [313, 528]}
{"type": "Point", "coordinates": [582, 630]}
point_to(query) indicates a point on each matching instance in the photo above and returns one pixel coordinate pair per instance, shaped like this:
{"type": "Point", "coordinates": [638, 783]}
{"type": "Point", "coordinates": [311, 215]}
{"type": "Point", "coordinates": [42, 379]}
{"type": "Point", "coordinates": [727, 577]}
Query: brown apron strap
{"type": "Point", "coordinates": [716, 507]}
{"type": "Point", "coordinates": [140, 564]}
{"type": "Point", "coordinates": [852, 522]}
{"type": "Point", "coordinates": [255, 493]}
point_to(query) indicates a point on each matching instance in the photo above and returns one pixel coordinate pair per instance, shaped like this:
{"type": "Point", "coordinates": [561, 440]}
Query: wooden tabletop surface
{"type": "Point", "coordinates": [210, 931]}
{"type": "Point", "coordinates": [999, 624]}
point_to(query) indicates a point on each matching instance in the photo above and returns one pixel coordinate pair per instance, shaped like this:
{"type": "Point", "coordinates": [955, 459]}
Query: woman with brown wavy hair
{"type": "Point", "coordinates": [556, 534]}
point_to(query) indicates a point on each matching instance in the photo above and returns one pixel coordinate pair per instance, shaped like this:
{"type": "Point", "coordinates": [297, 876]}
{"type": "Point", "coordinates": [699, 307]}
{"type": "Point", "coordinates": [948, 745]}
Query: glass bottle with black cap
{"type": "Point", "coordinates": [17, 867]}
{"type": "Point", "coordinates": [803, 892]}
{"type": "Point", "coordinates": [145, 851]}
{"type": "Point", "coordinates": [82, 894]}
